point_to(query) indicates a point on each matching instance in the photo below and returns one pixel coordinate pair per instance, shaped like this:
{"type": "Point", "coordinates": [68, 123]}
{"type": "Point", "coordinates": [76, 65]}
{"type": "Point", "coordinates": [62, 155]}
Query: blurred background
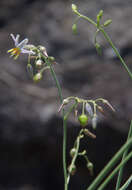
{"type": "Point", "coordinates": [30, 127]}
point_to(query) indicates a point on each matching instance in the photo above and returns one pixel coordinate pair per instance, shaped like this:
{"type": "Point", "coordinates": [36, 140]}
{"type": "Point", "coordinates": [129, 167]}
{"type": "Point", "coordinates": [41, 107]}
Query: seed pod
{"type": "Point", "coordinates": [83, 119]}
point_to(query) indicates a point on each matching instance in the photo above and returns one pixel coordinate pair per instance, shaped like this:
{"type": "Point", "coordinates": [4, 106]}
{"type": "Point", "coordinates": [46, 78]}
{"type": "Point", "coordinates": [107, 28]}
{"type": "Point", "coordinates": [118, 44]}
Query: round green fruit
{"type": "Point", "coordinates": [83, 119]}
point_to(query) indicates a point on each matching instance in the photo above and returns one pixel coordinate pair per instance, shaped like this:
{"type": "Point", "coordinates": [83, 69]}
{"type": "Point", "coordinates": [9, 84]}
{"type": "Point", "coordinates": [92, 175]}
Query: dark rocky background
{"type": "Point", "coordinates": [30, 127]}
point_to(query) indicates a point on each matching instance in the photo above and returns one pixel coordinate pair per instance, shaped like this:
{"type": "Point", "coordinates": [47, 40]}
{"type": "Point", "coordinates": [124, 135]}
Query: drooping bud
{"type": "Point", "coordinates": [90, 167]}
{"type": "Point", "coordinates": [94, 121]}
{"type": "Point", "coordinates": [65, 102]}
{"type": "Point", "coordinates": [72, 152]}
{"type": "Point", "coordinates": [37, 77]}
{"type": "Point", "coordinates": [89, 109]}
{"type": "Point", "coordinates": [98, 48]}
{"type": "Point", "coordinates": [74, 28]}
{"type": "Point", "coordinates": [51, 58]}
{"type": "Point", "coordinates": [72, 169]}
{"type": "Point", "coordinates": [39, 63]}
{"type": "Point", "coordinates": [88, 133]}
{"type": "Point", "coordinates": [107, 22]}
{"type": "Point", "coordinates": [83, 119]}
{"type": "Point", "coordinates": [30, 70]}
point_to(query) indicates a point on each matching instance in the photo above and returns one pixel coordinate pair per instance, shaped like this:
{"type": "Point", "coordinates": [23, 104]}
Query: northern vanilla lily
{"type": "Point", "coordinates": [19, 47]}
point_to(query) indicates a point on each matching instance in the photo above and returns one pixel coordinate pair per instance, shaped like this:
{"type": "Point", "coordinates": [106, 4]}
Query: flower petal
{"type": "Point", "coordinates": [22, 43]}
{"type": "Point", "coordinates": [27, 51]}
{"type": "Point", "coordinates": [15, 39]}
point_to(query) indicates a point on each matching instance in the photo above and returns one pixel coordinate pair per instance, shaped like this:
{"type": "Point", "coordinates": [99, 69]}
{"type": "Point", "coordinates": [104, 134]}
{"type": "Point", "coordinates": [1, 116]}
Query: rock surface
{"type": "Point", "coordinates": [30, 127]}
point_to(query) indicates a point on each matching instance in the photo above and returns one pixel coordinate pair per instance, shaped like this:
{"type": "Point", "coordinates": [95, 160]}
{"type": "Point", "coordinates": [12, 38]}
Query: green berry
{"type": "Point", "coordinates": [83, 119]}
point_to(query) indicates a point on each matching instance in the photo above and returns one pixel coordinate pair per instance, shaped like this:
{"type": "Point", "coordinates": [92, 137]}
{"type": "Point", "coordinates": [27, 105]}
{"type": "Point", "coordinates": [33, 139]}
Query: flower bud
{"type": "Point", "coordinates": [89, 109]}
{"type": "Point", "coordinates": [94, 121]}
{"type": "Point", "coordinates": [37, 77]}
{"type": "Point", "coordinates": [98, 48]}
{"type": "Point", "coordinates": [72, 152]}
{"type": "Point", "coordinates": [51, 58]}
{"type": "Point", "coordinates": [107, 22]}
{"type": "Point", "coordinates": [90, 167]}
{"type": "Point", "coordinates": [74, 28]}
{"type": "Point", "coordinates": [83, 119]}
{"type": "Point", "coordinates": [74, 7]}
{"type": "Point", "coordinates": [72, 169]}
{"type": "Point", "coordinates": [39, 63]}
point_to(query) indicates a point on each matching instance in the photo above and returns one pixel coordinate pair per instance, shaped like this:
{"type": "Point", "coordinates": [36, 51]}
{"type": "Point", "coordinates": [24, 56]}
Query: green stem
{"type": "Point", "coordinates": [76, 153]}
{"type": "Point", "coordinates": [116, 52]}
{"type": "Point", "coordinates": [127, 183]}
{"type": "Point", "coordinates": [108, 39]}
{"type": "Point", "coordinates": [108, 179]}
{"type": "Point", "coordinates": [64, 123]}
{"type": "Point", "coordinates": [109, 166]}
{"type": "Point", "coordinates": [124, 155]}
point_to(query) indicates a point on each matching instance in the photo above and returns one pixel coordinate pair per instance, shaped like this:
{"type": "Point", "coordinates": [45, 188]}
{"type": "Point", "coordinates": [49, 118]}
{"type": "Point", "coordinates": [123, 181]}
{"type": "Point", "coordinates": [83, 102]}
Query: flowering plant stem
{"type": "Point", "coordinates": [120, 174]}
{"type": "Point", "coordinates": [111, 164]}
{"type": "Point", "coordinates": [64, 123]}
{"type": "Point", "coordinates": [100, 28]}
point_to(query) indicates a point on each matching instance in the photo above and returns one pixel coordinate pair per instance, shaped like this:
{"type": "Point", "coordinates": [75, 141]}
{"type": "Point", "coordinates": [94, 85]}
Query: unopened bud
{"type": "Point", "coordinates": [72, 152]}
{"type": "Point", "coordinates": [98, 48]}
{"type": "Point", "coordinates": [51, 58]}
{"type": "Point", "coordinates": [88, 133]}
{"type": "Point", "coordinates": [39, 63]}
{"type": "Point", "coordinates": [90, 167]}
{"type": "Point", "coordinates": [107, 22]}
{"type": "Point", "coordinates": [72, 169]}
{"type": "Point", "coordinates": [74, 7]}
{"type": "Point", "coordinates": [89, 109]}
{"type": "Point", "coordinates": [74, 28]}
{"type": "Point", "coordinates": [37, 77]}
{"type": "Point", "coordinates": [94, 121]}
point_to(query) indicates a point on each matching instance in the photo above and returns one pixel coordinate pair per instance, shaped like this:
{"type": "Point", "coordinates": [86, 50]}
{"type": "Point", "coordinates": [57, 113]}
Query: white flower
{"type": "Point", "coordinates": [19, 47]}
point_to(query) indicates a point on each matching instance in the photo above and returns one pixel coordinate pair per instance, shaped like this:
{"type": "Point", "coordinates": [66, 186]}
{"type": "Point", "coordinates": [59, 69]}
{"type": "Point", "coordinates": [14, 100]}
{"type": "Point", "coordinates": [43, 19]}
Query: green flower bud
{"type": "Point", "coordinates": [72, 152]}
{"type": "Point", "coordinates": [99, 16]}
{"type": "Point", "coordinates": [51, 58]}
{"type": "Point", "coordinates": [74, 7]}
{"type": "Point", "coordinates": [83, 119]}
{"type": "Point", "coordinates": [37, 77]}
{"type": "Point", "coordinates": [98, 48]}
{"type": "Point", "coordinates": [94, 121]}
{"type": "Point", "coordinates": [39, 63]}
{"type": "Point", "coordinates": [107, 22]}
{"type": "Point", "coordinates": [90, 167]}
{"type": "Point", "coordinates": [74, 28]}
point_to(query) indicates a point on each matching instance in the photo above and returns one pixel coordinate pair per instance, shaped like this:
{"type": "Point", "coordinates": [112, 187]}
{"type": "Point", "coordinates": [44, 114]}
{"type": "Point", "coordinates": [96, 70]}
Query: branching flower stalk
{"type": "Point", "coordinates": [100, 28]}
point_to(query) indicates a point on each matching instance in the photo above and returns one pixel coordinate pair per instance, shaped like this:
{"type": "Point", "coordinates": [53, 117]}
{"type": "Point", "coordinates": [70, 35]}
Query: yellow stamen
{"type": "Point", "coordinates": [15, 52]}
